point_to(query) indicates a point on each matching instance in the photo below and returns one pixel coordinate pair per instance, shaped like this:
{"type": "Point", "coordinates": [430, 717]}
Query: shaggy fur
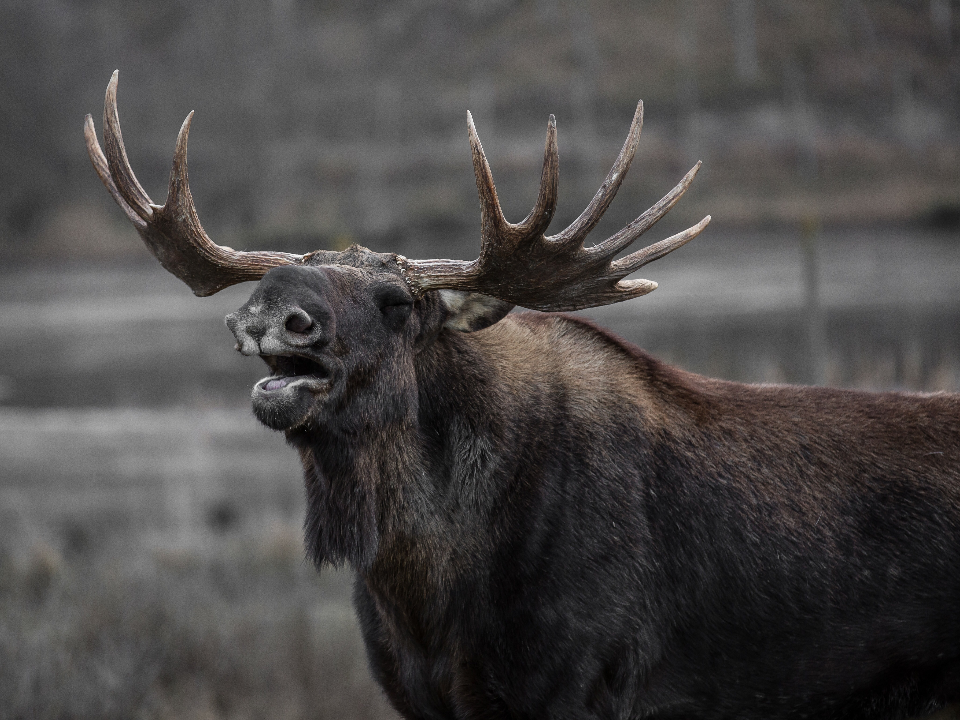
{"type": "Point", "coordinates": [545, 521]}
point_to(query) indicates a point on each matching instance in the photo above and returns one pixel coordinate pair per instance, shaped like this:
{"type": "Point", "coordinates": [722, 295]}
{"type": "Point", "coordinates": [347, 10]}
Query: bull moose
{"type": "Point", "coordinates": [547, 522]}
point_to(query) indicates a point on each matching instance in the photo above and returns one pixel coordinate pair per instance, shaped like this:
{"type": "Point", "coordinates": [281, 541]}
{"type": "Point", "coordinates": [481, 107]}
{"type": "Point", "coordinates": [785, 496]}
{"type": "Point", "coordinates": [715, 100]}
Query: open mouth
{"type": "Point", "coordinates": [288, 370]}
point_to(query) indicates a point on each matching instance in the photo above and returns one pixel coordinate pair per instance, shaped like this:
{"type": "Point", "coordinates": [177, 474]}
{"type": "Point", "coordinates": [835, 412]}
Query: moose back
{"type": "Point", "coordinates": [544, 520]}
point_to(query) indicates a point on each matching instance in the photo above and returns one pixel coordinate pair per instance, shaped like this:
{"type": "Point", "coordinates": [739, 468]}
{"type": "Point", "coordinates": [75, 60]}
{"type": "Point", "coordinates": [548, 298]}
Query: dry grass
{"type": "Point", "coordinates": [237, 627]}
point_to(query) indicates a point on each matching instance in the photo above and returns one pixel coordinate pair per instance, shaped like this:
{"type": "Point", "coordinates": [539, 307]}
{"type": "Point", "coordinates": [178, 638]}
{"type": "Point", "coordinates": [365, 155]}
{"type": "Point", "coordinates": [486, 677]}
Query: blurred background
{"type": "Point", "coordinates": [150, 555]}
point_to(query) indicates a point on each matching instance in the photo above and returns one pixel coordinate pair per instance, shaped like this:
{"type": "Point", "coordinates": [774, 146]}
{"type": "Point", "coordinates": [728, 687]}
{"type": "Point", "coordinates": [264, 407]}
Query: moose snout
{"type": "Point", "coordinates": [274, 331]}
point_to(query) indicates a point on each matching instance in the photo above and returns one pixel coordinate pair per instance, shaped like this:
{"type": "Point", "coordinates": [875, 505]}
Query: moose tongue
{"type": "Point", "coordinates": [276, 384]}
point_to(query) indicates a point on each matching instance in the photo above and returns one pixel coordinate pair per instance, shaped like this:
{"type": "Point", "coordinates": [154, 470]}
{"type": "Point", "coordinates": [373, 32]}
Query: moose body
{"type": "Point", "coordinates": [562, 526]}
{"type": "Point", "coordinates": [547, 522]}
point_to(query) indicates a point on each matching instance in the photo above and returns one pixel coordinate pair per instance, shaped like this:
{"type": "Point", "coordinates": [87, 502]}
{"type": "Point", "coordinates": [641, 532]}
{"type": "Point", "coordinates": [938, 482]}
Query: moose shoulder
{"type": "Point", "coordinates": [545, 521]}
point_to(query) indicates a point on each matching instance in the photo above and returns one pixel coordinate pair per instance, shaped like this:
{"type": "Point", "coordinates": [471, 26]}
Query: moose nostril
{"type": "Point", "coordinates": [299, 322]}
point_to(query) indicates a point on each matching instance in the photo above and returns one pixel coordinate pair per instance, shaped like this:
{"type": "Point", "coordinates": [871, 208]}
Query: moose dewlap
{"type": "Point", "coordinates": [544, 520]}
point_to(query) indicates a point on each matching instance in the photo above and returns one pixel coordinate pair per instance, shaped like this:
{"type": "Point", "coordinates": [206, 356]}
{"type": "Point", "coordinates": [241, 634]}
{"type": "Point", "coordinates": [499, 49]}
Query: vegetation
{"type": "Point", "coordinates": [243, 629]}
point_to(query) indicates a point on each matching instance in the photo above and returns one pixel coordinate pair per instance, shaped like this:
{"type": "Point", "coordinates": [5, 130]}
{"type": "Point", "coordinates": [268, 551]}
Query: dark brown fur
{"type": "Point", "coordinates": [548, 522]}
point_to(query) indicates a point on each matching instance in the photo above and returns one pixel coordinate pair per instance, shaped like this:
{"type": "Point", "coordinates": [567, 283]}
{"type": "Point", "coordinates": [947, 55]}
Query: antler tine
{"type": "Point", "coordinates": [581, 227]}
{"type": "Point", "coordinates": [100, 165]}
{"type": "Point", "coordinates": [172, 232]}
{"type": "Point", "coordinates": [126, 182]}
{"type": "Point", "coordinates": [492, 222]}
{"type": "Point", "coordinates": [625, 237]}
{"type": "Point", "coordinates": [538, 220]}
{"type": "Point", "coordinates": [634, 261]}
{"type": "Point", "coordinates": [180, 205]}
{"type": "Point", "coordinates": [178, 190]}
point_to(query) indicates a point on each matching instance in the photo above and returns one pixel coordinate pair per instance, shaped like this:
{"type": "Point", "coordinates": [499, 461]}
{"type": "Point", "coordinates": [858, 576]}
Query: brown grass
{"type": "Point", "coordinates": [239, 627]}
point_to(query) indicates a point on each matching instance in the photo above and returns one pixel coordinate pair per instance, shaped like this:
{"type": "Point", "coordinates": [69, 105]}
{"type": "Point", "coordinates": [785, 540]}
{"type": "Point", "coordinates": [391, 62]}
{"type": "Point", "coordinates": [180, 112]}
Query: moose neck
{"type": "Point", "coordinates": [383, 490]}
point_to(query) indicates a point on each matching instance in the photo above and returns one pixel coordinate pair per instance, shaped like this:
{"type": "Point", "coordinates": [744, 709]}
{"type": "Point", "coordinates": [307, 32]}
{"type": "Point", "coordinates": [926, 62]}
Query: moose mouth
{"type": "Point", "coordinates": [288, 397]}
{"type": "Point", "coordinates": [293, 370]}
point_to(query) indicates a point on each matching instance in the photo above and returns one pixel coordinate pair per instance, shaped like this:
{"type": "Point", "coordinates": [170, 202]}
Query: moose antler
{"type": "Point", "coordinates": [173, 232]}
{"type": "Point", "coordinates": [519, 264]}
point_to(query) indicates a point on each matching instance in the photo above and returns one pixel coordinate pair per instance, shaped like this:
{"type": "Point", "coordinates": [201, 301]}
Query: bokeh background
{"type": "Point", "coordinates": [150, 556]}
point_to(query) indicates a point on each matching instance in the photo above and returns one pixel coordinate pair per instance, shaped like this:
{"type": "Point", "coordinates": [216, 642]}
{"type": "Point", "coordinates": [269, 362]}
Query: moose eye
{"type": "Point", "coordinates": [395, 305]}
{"type": "Point", "coordinates": [396, 315]}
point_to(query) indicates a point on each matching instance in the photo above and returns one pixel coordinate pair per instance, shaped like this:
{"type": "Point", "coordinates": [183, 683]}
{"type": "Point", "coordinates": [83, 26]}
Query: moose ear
{"type": "Point", "coordinates": [470, 311]}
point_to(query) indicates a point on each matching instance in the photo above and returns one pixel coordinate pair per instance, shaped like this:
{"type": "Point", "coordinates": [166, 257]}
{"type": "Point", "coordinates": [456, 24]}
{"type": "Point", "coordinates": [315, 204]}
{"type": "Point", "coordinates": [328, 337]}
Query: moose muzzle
{"type": "Point", "coordinates": [292, 341]}
{"type": "Point", "coordinates": [263, 330]}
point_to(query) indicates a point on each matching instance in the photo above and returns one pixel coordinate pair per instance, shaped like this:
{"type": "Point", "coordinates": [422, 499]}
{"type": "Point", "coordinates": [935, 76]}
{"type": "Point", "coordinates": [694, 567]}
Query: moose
{"type": "Point", "coordinates": [545, 521]}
